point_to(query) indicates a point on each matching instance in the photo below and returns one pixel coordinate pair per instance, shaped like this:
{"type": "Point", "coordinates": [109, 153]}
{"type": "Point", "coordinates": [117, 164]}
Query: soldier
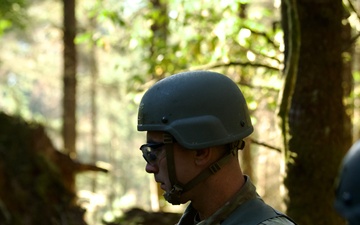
{"type": "Point", "coordinates": [196, 123]}
{"type": "Point", "coordinates": [347, 201]}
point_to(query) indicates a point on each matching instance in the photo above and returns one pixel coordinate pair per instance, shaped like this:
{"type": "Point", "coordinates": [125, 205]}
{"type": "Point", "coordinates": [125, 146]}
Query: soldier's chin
{"type": "Point", "coordinates": [172, 199]}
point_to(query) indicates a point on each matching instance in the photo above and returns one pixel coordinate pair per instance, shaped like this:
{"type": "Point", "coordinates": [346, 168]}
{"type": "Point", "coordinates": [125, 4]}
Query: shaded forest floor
{"type": "Point", "coordinates": [137, 216]}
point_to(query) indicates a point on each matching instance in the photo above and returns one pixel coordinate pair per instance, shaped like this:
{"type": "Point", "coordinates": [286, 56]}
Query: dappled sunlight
{"type": "Point", "coordinates": [124, 47]}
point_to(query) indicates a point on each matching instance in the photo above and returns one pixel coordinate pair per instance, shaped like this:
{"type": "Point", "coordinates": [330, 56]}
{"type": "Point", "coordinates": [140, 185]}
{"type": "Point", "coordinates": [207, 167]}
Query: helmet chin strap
{"type": "Point", "coordinates": [177, 189]}
{"type": "Point", "coordinates": [173, 196]}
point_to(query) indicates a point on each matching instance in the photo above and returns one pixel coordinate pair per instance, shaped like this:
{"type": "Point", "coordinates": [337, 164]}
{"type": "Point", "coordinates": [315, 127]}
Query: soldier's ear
{"type": "Point", "coordinates": [203, 156]}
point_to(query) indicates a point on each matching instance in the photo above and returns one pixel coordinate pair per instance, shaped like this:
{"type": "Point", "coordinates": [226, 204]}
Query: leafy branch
{"type": "Point", "coordinates": [263, 34]}
{"type": "Point", "coordinates": [265, 145]}
{"type": "Point", "coordinates": [236, 63]}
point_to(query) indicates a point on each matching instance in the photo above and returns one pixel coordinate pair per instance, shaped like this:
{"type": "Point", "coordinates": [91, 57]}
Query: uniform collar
{"type": "Point", "coordinates": [247, 192]}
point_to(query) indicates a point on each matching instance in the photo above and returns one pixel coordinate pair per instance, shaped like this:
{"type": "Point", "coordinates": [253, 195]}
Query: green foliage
{"type": "Point", "coordinates": [4, 24]}
{"type": "Point", "coordinates": [13, 13]}
{"type": "Point", "coordinates": [209, 33]}
{"type": "Point", "coordinates": [83, 37]}
{"type": "Point", "coordinates": [112, 15]}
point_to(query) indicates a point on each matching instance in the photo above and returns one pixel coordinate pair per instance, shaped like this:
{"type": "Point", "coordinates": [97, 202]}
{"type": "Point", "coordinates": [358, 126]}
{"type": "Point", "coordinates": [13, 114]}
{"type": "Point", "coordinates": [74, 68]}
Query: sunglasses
{"type": "Point", "coordinates": [152, 152]}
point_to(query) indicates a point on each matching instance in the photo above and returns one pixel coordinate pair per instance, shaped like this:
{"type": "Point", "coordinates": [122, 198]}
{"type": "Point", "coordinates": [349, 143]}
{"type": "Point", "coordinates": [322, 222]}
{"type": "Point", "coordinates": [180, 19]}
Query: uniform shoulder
{"type": "Point", "coordinates": [277, 221]}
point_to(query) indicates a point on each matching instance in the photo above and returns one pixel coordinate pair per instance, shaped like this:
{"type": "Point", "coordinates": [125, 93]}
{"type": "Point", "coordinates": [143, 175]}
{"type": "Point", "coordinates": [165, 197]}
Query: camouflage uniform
{"type": "Point", "coordinates": [246, 208]}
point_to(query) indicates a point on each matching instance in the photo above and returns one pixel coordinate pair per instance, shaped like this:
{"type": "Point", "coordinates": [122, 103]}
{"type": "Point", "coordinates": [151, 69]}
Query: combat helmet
{"type": "Point", "coordinates": [347, 201]}
{"type": "Point", "coordinates": [199, 109]}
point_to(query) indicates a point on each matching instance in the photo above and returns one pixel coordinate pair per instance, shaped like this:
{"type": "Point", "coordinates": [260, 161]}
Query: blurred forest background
{"type": "Point", "coordinates": [80, 69]}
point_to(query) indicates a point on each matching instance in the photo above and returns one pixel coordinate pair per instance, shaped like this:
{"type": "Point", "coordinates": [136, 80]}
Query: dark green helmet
{"type": "Point", "coordinates": [199, 109]}
{"type": "Point", "coordinates": [347, 201]}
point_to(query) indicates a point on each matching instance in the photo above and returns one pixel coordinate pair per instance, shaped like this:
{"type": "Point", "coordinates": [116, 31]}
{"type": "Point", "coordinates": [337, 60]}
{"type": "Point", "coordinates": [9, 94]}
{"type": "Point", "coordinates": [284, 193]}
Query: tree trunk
{"type": "Point", "coordinates": [317, 116]}
{"type": "Point", "coordinates": [69, 78]}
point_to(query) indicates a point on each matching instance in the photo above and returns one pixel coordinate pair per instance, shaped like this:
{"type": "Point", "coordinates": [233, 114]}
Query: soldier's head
{"type": "Point", "coordinates": [347, 201]}
{"type": "Point", "coordinates": [184, 114]}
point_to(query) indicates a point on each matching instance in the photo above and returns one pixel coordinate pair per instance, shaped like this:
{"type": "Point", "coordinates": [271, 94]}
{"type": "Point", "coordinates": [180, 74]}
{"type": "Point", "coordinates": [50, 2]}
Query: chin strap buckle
{"type": "Point", "coordinates": [236, 146]}
{"type": "Point", "coordinates": [174, 195]}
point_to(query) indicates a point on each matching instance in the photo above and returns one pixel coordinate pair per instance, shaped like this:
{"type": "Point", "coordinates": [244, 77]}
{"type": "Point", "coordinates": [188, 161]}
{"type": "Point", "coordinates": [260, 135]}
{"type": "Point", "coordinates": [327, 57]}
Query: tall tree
{"type": "Point", "coordinates": [317, 118]}
{"type": "Point", "coordinates": [69, 78]}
